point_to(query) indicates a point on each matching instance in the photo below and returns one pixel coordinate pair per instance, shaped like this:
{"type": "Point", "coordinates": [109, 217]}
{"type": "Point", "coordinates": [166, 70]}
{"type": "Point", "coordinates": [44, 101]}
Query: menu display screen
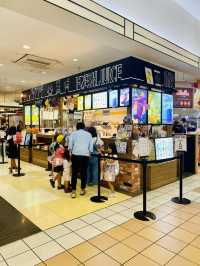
{"type": "Point", "coordinates": [80, 103]}
{"type": "Point", "coordinates": [100, 100]}
{"type": "Point", "coordinates": [124, 97]}
{"type": "Point", "coordinates": [164, 148]}
{"type": "Point", "coordinates": [88, 102]}
{"type": "Point", "coordinates": [27, 111]}
{"type": "Point", "coordinates": [154, 107]}
{"type": "Point", "coordinates": [113, 98]}
{"type": "Point", "coordinates": [139, 106]}
{"type": "Point", "coordinates": [167, 109]}
{"type": "Point", "coordinates": [35, 115]}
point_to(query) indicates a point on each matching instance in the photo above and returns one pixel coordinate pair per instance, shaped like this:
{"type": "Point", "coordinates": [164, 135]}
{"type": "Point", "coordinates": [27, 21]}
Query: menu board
{"type": "Point", "coordinates": [27, 110]}
{"type": "Point", "coordinates": [154, 110]}
{"type": "Point", "coordinates": [113, 98]}
{"type": "Point", "coordinates": [35, 115]}
{"type": "Point", "coordinates": [80, 103]}
{"type": "Point", "coordinates": [139, 106]}
{"type": "Point", "coordinates": [164, 148]}
{"type": "Point", "coordinates": [88, 102]}
{"type": "Point", "coordinates": [100, 100]}
{"type": "Point", "coordinates": [183, 98]}
{"type": "Point", "coordinates": [124, 97]}
{"type": "Point", "coordinates": [167, 109]}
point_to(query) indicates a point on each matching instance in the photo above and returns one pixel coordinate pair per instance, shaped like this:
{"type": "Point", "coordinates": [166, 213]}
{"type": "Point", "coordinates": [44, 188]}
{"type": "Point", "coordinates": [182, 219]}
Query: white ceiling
{"type": "Point", "coordinates": [62, 36]}
{"type": "Point", "coordinates": [191, 6]}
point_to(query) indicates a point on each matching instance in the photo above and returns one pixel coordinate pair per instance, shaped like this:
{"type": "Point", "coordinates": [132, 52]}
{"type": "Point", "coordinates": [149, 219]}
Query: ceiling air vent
{"type": "Point", "coordinates": [37, 63]}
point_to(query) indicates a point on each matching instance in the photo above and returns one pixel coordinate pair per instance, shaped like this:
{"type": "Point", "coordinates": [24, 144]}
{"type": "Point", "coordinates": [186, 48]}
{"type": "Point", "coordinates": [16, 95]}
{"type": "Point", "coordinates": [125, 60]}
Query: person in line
{"type": "Point", "coordinates": [92, 171]}
{"type": "Point", "coordinates": [11, 150]}
{"type": "Point", "coordinates": [57, 162]}
{"type": "Point", "coordinates": [178, 127]}
{"type": "Point", "coordinates": [111, 169]}
{"type": "Point", "coordinates": [51, 151]}
{"type": "Point", "coordinates": [80, 146]}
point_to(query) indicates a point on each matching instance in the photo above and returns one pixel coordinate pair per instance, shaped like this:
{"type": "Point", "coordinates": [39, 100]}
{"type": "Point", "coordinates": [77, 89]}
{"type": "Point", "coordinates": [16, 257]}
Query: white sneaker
{"type": "Point", "coordinates": [73, 194]}
{"type": "Point", "coordinates": [112, 195]}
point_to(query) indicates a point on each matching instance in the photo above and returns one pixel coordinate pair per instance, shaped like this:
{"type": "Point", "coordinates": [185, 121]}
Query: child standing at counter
{"type": "Point", "coordinates": [110, 169]}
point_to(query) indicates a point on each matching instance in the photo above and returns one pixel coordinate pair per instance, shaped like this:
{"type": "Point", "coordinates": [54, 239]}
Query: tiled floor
{"type": "Point", "coordinates": [111, 236]}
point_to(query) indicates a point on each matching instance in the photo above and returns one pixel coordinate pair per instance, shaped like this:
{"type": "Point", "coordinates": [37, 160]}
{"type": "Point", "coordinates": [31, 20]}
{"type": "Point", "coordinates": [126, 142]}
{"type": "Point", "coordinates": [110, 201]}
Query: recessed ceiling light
{"type": "Point", "coordinates": [1, 65]}
{"type": "Point", "coordinates": [22, 81]}
{"type": "Point", "coordinates": [75, 60]}
{"type": "Point", "coordinates": [27, 47]}
{"type": "Point", "coordinates": [43, 72]}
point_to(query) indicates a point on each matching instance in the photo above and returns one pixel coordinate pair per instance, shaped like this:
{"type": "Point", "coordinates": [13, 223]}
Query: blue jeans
{"type": "Point", "coordinates": [92, 171]}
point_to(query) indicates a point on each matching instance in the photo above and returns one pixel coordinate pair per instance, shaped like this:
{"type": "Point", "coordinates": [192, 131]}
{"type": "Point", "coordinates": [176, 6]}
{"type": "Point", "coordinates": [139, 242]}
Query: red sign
{"type": "Point", "coordinates": [183, 98]}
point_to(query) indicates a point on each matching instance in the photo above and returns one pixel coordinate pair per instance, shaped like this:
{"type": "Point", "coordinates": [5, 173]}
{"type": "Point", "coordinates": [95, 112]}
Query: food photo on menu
{"type": "Point", "coordinates": [154, 107]}
{"type": "Point", "coordinates": [139, 106]}
{"type": "Point", "coordinates": [124, 97]}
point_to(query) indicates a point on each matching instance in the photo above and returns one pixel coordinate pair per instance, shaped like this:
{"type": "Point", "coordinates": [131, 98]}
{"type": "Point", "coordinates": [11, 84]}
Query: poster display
{"type": "Point", "coordinates": [88, 102]}
{"type": "Point", "coordinates": [164, 148]}
{"type": "Point", "coordinates": [183, 98]}
{"type": "Point", "coordinates": [197, 99]}
{"type": "Point", "coordinates": [139, 106]}
{"type": "Point", "coordinates": [100, 100]}
{"type": "Point", "coordinates": [167, 109]}
{"type": "Point", "coordinates": [124, 97]}
{"type": "Point", "coordinates": [113, 98]}
{"type": "Point", "coordinates": [80, 103]}
{"type": "Point", "coordinates": [154, 107]}
{"type": "Point", "coordinates": [27, 111]}
{"type": "Point", "coordinates": [35, 115]}
{"type": "Point", "coordinates": [149, 75]}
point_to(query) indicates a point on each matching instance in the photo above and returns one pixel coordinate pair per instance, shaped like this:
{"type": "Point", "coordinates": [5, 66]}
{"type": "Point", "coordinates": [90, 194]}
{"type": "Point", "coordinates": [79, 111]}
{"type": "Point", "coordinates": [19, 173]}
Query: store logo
{"type": "Point", "coordinates": [104, 76]}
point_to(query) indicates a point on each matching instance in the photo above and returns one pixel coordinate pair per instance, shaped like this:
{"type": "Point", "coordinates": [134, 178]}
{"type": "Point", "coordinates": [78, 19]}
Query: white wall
{"type": "Point", "coordinates": [163, 17]}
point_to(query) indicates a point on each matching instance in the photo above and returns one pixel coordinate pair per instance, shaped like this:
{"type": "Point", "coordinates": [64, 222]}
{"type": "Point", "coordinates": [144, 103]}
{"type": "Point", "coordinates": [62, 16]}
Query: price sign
{"type": "Point", "coordinates": [180, 142]}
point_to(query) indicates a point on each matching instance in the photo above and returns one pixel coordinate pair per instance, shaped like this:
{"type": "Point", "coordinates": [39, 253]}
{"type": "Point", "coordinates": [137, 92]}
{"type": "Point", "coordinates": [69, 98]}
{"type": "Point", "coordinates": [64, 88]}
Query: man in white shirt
{"type": "Point", "coordinates": [80, 146]}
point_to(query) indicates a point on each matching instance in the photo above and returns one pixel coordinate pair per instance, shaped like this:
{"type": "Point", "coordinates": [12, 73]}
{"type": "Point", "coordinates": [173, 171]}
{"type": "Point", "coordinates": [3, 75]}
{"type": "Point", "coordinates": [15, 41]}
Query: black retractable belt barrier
{"type": "Point", "coordinates": [144, 215]}
{"type": "Point", "coordinates": [18, 167]}
{"type": "Point", "coordinates": [99, 198]}
{"type": "Point", "coordinates": [180, 199]}
{"type": "Point", "coordinates": [2, 152]}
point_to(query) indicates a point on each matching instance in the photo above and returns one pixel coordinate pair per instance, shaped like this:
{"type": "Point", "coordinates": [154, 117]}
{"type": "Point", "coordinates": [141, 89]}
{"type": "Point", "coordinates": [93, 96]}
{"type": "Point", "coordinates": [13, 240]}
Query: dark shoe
{"type": "Point", "coordinates": [61, 187]}
{"type": "Point", "coordinates": [67, 190]}
{"type": "Point", "coordinates": [52, 182]}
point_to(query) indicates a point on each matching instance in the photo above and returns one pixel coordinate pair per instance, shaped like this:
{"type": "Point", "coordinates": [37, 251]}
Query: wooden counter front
{"type": "Point", "coordinates": [161, 174]}
{"type": "Point", "coordinates": [39, 157]}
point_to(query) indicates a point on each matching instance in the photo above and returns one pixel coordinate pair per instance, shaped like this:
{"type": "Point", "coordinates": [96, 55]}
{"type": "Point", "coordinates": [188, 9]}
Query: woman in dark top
{"type": "Point", "coordinates": [12, 152]}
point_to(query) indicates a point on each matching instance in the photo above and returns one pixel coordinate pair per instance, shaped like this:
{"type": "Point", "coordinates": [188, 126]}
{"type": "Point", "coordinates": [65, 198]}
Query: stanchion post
{"type": "Point", "coordinates": [99, 198]}
{"type": "Point", "coordinates": [180, 199]}
{"type": "Point", "coordinates": [18, 167]}
{"type": "Point", "coordinates": [144, 215]}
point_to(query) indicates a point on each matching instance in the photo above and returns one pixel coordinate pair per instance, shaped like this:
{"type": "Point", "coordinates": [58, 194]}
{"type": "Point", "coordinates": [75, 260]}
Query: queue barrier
{"type": "Point", "coordinates": [143, 215]}
{"type": "Point", "coordinates": [2, 151]}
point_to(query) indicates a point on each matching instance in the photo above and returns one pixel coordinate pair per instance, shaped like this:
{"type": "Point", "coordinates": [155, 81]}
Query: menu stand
{"type": "Point", "coordinates": [18, 167]}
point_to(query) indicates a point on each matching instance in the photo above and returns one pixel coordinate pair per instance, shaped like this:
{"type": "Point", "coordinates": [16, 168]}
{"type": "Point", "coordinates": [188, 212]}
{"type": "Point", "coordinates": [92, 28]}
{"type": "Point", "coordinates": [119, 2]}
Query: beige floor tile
{"type": "Point", "coordinates": [158, 254]}
{"type": "Point", "coordinates": [171, 244]}
{"type": "Point", "coordinates": [151, 234]}
{"type": "Point", "coordinates": [182, 214]}
{"type": "Point", "coordinates": [191, 210]}
{"type": "Point", "coordinates": [191, 253]}
{"type": "Point", "coordinates": [196, 242]}
{"type": "Point", "coordinates": [62, 259]}
{"type": "Point", "coordinates": [140, 260]}
{"type": "Point", "coordinates": [103, 241]}
{"type": "Point", "coordinates": [101, 259]}
{"type": "Point", "coordinates": [119, 233]}
{"type": "Point", "coordinates": [179, 261]}
{"type": "Point", "coordinates": [191, 227]}
{"type": "Point", "coordinates": [195, 219]}
{"type": "Point", "coordinates": [173, 220]}
{"type": "Point", "coordinates": [84, 251]}
{"type": "Point", "coordinates": [163, 227]}
{"type": "Point", "coordinates": [133, 226]}
{"type": "Point", "coordinates": [182, 235]}
{"type": "Point", "coordinates": [121, 253]}
{"type": "Point", "coordinates": [41, 264]}
{"type": "Point", "coordinates": [137, 243]}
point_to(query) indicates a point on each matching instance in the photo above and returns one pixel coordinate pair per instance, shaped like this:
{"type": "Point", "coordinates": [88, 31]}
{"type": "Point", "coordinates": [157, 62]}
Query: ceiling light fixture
{"type": "Point", "coordinates": [75, 60]}
{"type": "Point", "coordinates": [27, 47]}
{"type": "Point", "coordinates": [1, 65]}
{"type": "Point", "coordinates": [22, 81]}
{"type": "Point", "coordinates": [43, 72]}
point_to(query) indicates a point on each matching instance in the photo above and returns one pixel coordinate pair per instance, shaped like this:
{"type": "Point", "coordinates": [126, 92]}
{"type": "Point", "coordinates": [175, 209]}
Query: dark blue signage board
{"type": "Point", "coordinates": [117, 74]}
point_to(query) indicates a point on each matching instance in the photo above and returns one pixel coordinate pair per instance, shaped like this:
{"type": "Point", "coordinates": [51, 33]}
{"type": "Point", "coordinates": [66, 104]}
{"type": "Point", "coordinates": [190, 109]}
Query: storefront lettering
{"type": "Point", "coordinates": [104, 76]}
